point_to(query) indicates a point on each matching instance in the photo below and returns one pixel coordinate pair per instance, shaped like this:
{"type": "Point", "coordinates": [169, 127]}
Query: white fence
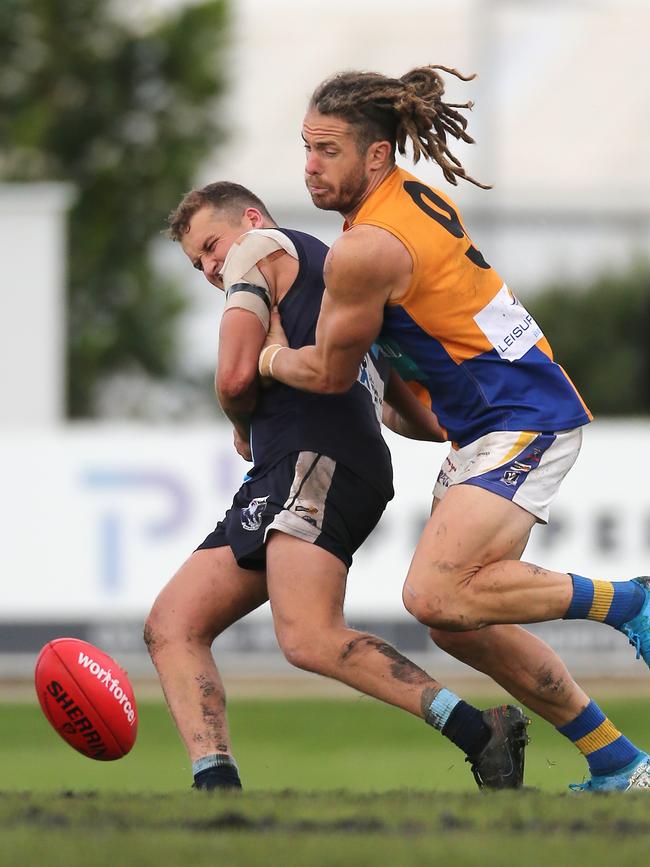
{"type": "Point", "coordinates": [96, 519]}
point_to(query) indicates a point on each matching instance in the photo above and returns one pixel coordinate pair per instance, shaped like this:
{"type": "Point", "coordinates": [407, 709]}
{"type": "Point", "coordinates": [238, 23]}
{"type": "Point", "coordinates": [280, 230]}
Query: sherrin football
{"type": "Point", "coordinates": [87, 698]}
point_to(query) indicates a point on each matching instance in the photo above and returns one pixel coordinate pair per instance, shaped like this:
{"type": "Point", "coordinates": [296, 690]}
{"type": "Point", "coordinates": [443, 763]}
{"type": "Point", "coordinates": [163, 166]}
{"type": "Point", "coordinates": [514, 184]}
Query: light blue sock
{"type": "Point", "coordinates": [213, 761]}
{"type": "Point", "coordinates": [440, 708]}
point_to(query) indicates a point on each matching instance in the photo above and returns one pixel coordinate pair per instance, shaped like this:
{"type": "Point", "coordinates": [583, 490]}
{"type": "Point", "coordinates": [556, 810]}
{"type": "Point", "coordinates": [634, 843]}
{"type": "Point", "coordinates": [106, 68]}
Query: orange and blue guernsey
{"type": "Point", "coordinates": [458, 336]}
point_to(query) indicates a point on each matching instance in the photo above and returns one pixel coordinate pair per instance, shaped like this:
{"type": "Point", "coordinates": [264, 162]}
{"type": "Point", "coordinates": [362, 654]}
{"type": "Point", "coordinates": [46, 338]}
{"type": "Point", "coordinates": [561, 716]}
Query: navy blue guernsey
{"type": "Point", "coordinates": [345, 427]}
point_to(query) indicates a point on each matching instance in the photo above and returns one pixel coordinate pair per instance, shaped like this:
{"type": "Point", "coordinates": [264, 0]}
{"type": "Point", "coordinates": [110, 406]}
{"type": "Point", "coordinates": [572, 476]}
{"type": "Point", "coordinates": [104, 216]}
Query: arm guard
{"type": "Point", "coordinates": [243, 282]}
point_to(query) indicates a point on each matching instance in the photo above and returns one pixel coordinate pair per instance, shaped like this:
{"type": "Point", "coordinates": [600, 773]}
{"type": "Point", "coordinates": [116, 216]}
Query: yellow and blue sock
{"type": "Point", "coordinates": [611, 602]}
{"type": "Point", "coordinates": [600, 742]}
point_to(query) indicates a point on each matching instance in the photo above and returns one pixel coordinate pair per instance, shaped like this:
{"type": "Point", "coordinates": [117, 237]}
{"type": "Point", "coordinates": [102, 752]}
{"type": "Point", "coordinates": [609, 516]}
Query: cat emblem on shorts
{"type": "Point", "coordinates": [251, 516]}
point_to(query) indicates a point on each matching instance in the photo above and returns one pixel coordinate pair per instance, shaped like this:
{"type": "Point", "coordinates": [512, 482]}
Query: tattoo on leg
{"type": "Point", "coordinates": [215, 724]}
{"type": "Point", "coordinates": [213, 712]}
{"type": "Point", "coordinates": [206, 686]}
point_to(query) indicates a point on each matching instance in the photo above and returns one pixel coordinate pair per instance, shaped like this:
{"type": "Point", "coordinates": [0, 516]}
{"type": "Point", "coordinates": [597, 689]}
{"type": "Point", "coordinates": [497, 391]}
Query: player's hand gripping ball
{"type": "Point", "coordinates": [87, 698]}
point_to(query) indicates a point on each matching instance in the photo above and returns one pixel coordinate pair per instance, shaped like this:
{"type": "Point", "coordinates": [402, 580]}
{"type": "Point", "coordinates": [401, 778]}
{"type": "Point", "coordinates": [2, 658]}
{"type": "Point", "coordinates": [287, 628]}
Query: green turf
{"type": "Point", "coordinates": [324, 829]}
{"type": "Point", "coordinates": [357, 745]}
{"type": "Point", "coordinates": [327, 783]}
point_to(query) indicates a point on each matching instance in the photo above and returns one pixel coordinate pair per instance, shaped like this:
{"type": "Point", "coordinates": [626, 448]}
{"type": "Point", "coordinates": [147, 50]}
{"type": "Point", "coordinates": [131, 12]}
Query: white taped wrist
{"type": "Point", "coordinates": [273, 356]}
{"type": "Point", "coordinates": [266, 359]}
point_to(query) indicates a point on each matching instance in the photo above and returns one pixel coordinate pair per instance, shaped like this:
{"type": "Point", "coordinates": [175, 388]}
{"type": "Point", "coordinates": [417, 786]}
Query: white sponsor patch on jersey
{"type": "Point", "coordinates": [369, 377]}
{"type": "Point", "coordinates": [508, 325]}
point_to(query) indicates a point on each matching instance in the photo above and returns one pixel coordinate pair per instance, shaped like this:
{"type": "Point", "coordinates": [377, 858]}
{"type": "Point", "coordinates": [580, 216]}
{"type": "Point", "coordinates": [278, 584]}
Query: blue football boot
{"type": "Point", "coordinates": [636, 775]}
{"type": "Point", "coordinates": [638, 628]}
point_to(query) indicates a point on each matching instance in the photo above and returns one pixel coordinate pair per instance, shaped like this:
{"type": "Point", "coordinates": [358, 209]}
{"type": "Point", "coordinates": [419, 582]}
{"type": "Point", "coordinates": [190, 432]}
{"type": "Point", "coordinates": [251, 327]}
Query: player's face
{"type": "Point", "coordinates": [210, 236]}
{"type": "Point", "coordinates": [335, 171]}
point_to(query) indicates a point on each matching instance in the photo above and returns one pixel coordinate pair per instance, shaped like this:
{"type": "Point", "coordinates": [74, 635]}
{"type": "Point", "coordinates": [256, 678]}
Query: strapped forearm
{"type": "Point", "coordinates": [304, 369]}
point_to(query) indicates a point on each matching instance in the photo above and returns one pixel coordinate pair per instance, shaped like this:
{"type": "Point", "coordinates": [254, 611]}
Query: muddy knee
{"type": "Point", "coordinates": [434, 611]}
{"type": "Point", "coordinates": [153, 634]}
{"type": "Point", "coordinates": [164, 627]}
{"type": "Point", "coordinates": [154, 642]}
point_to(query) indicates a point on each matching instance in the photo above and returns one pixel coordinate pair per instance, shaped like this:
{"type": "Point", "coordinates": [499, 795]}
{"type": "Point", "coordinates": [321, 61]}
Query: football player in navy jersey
{"type": "Point", "coordinates": [320, 480]}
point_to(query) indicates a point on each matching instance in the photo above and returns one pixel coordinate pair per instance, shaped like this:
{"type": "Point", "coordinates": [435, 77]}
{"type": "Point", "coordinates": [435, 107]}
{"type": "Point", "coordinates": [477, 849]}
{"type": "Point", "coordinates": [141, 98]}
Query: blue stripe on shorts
{"type": "Point", "coordinates": [506, 479]}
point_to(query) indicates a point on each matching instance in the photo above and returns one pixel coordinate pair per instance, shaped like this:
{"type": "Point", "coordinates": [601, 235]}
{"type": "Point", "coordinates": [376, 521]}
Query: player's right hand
{"type": "Point", "coordinates": [242, 446]}
{"type": "Point", "coordinates": [275, 338]}
{"type": "Point", "coordinates": [276, 331]}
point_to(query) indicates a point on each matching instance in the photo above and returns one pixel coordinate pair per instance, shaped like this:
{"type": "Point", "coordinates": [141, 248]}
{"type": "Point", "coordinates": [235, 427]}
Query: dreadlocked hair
{"type": "Point", "coordinates": [398, 110]}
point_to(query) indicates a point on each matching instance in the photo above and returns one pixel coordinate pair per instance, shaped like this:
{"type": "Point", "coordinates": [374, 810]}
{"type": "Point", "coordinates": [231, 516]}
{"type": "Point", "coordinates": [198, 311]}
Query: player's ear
{"type": "Point", "coordinates": [379, 154]}
{"type": "Point", "coordinates": [254, 217]}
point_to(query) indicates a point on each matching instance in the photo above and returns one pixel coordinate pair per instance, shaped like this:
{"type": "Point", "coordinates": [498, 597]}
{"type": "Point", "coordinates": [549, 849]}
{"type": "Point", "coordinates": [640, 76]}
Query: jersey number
{"type": "Point", "coordinates": [448, 220]}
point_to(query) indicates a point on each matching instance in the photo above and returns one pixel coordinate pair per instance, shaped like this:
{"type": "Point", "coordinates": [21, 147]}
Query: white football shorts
{"type": "Point", "coordinates": [526, 467]}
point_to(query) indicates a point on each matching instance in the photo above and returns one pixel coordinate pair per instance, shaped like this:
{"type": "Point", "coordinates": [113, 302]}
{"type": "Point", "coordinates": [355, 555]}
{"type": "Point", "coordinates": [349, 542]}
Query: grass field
{"type": "Point", "coordinates": [328, 782]}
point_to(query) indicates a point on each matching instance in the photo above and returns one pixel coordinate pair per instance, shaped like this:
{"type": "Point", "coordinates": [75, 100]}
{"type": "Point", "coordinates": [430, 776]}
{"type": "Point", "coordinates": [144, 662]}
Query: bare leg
{"type": "Point", "coordinates": [459, 578]}
{"type": "Point", "coordinates": [307, 587]}
{"type": "Point", "coordinates": [524, 665]}
{"type": "Point", "coordinates": [207, 594]}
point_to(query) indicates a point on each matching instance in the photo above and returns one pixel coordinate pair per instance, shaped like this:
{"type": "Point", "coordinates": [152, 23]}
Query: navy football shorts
{"type": "Point", "coordinates": [306, 495]}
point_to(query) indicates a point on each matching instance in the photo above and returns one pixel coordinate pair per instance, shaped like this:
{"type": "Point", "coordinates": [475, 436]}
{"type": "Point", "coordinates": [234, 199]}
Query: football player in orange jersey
{"type": "Point", "coordinates": [307, 503]}
{"type": "Point", "coordinates": [405, 274]}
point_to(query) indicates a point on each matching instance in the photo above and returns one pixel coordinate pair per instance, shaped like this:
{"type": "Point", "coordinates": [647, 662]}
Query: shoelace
{"type": "Point", "coordinates": [580, 787]}
{"type": "Point", "coordinates": [635, 640]}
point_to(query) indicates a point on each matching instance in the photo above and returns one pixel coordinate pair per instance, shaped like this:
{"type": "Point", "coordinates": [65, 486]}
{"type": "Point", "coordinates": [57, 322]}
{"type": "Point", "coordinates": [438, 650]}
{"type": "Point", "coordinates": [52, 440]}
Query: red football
{"type": "Point", "coordinates": [87, 698]}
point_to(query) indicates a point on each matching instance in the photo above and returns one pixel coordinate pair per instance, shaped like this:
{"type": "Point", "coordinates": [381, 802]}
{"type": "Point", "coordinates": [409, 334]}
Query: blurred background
{"type": "Point", "coordinates": [115, 459]}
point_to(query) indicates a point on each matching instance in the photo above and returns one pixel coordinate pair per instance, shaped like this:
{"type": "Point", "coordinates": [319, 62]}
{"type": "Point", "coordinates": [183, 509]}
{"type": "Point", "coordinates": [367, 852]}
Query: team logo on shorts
{"type": "Point", "coordinates": [307, 513]}
{"type": "Point", "coordinates": [251, 516]}
{"type": "Point", "coordinates": [514, 473]}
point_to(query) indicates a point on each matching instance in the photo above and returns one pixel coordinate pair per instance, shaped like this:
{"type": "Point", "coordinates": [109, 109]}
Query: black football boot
{"type": "Point", "coordinates": [500, 764]}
